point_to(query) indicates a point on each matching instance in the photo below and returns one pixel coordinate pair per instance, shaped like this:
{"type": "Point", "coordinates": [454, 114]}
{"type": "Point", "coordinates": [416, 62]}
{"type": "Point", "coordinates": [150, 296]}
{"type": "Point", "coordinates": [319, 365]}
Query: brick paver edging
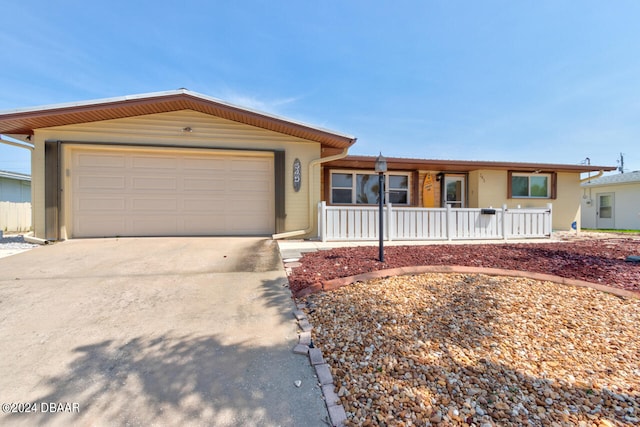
{"type": "Point", "coordinates": [305, 346]}
{"type": "Point", "coordinates": [328, 285]}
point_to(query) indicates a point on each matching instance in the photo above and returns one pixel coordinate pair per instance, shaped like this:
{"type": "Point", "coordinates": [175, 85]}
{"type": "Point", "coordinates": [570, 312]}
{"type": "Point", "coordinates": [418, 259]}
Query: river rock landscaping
{"type": "Point", "coordinates": [474, 350]}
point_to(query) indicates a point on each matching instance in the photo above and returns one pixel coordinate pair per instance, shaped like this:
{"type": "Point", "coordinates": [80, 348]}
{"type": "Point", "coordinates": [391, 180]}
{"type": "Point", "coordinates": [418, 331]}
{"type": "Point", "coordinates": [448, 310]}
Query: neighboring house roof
{"type": "Point", "coordinates": [15, 175]}
{"type": "Point", "coordinates": [25, 120]}
{"type": "Point", "coordinates": [367, 162]}
{"type": "Point", "coordinates": [621, 178]}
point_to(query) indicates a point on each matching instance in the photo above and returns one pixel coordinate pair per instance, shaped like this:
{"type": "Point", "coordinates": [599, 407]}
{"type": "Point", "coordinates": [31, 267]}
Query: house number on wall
{"type": "Point", "coordinates": [297, 174]}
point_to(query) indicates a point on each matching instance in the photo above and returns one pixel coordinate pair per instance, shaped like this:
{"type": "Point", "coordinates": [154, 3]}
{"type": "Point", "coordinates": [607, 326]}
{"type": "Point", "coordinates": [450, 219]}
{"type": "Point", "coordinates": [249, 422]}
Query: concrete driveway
{"type": "Point", "coordinates": [153, 331]}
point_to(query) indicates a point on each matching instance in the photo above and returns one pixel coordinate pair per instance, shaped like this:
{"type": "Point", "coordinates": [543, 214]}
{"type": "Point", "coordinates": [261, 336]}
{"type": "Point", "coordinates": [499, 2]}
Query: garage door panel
{"type": "Point", "coordinates": [248, 165]}
{"type": "Point", "coordinates": [101, 182]}
{"type": "Point", "coordinates": [204, 184]}
{"type": "Point", "coordinates": [193, 224]}
{"type": "Point", "coordinates": [154, 162]}
{"type": "Point", "coordinates": [256, 197]}
{"type": "Point", "coordinates": [104, 161]}
{"type": "Point", "coordinates": [206, 165]}
{"type": "Point", "coordinates": [107, 226]}
{"type": "Point", "coordinates": [154, 205]}
{"type": "Point", "coordinates": [202, 205]}
{"type": "Point", "coordinates": [247, 224]}
{"type": "Point", "coordinates": [247, 207]}
{"type": "Point", "coordinates": [242, 185]}
{"type": "Point", "coordinates": [154, 226]}
{"type": "Point", "coordinates": [88, 203]}
{"type": "Point", "coordinates": [154, 183]}
{"type": "Point", "coordinates": [171, 193]}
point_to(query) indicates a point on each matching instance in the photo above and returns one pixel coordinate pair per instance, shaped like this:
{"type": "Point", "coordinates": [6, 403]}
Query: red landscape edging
{"type": "Point", "coordinates": [332, 284]}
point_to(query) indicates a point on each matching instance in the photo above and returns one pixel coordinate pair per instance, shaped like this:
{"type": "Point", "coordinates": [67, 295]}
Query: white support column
{"type": "Point", "coordinates": [451, 223]}
{"type": "Point", "coordinates": [504, 222]}
{"type": "Point", "coordinates": [322, 219]}
{"type": "Point", "coordinates": [390, 223]}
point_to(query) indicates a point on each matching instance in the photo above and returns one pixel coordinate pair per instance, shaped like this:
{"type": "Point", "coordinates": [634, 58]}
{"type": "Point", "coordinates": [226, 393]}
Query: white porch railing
{"type": "Point", "coordinates": [408, 223]}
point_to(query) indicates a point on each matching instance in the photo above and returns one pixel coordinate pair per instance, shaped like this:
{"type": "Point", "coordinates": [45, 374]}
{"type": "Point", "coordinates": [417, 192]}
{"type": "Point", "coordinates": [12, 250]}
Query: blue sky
{"type": "Point", "coordinates": [525, 81]}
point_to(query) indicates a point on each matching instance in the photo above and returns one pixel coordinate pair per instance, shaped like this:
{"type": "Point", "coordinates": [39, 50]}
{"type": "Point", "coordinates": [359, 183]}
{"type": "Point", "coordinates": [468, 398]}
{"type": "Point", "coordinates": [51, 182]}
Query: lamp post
{"type": "Point", "coordinates": [381, 168]}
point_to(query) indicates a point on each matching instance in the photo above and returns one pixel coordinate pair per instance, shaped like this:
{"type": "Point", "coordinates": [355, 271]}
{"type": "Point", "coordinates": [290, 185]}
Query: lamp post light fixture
{"type": "Point", "coordinates": [381, 168]}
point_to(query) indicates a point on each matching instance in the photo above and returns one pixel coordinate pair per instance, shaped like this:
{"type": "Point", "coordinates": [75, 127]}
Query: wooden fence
{"type": "Point", "coordinates": [353, 223]}
{"type": "Point", "coordinates": [15, 216]}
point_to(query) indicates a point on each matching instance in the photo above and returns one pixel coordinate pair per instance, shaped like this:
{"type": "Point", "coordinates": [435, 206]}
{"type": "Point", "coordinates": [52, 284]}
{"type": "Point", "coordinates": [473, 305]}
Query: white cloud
{"type": "Point", "coordinates": [261, 104]}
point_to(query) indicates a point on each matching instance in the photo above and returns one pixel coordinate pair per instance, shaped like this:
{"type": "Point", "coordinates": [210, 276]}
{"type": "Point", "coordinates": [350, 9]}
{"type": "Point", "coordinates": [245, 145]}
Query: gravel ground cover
{"type": "Point", "coordinates": [474, 350]}
{"type": "Point", "coordinates": [596, 260]}
{"type": "Point", "coordinates": [15, 242]}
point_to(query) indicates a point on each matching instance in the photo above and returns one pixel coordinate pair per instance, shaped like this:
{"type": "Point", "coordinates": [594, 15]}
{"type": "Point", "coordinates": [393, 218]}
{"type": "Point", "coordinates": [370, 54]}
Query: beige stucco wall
{"type": "Point", "coordinates": [472, 190]}
{"type": "Point", "coordinates": [207, 131]}
{"type": "Point", "coordinates": [489, 188]}
{"type": "Point", "coordinates": [566, 209]}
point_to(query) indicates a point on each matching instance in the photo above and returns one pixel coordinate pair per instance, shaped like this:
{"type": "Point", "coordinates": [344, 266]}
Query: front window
{"type": "Point", "coordinates": [525, 185]}
{"type": "Point", "coordinates": [367, 189]}
{"type": "Point", "coordinates": [398, 189]}
{"type": "Point", "coordinates": [362, 188]}
{"type": "Point", "coordinates": [341, 187]}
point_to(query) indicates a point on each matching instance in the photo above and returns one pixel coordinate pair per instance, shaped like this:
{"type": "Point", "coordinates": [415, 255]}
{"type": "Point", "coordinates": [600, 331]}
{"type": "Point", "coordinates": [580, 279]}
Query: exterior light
{"type": "Point", "coordinates": [381, 168]}
{"type": "Point", "coordinates": [381, 164]}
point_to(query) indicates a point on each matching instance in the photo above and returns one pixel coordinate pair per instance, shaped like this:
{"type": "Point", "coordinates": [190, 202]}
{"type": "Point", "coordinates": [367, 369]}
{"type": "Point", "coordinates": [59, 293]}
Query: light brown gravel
{"type": "Point", "coordinates": [471, 350]}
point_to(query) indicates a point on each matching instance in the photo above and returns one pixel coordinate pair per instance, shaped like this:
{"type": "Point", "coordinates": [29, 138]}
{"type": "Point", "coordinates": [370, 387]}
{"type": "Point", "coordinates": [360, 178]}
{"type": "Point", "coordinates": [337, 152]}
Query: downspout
{"type": "Point", "coordinates": [600, 173]}
{"type": "Point", "coordinates": [310, 208]}
{"type": "Point", "coordinates": [17, 144]}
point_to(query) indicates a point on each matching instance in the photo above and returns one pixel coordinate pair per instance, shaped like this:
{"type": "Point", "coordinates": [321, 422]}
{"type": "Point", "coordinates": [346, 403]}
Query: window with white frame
{"type": "Point", "coordinates": [350, 187]}
{"type": "Point", "coordinates": [530, 185]}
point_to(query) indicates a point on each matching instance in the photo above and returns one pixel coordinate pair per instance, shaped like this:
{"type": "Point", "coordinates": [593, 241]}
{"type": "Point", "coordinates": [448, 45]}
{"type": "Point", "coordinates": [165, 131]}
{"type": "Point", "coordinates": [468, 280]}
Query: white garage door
{"type": "Point", "coordinates": [159, 193]}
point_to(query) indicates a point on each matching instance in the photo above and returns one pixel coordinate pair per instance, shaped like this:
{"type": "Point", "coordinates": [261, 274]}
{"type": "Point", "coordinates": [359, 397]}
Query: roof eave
{"type": "Point", "coordinates": [367, 162]}
{"type": "Point", "coordinates": [26, 120]}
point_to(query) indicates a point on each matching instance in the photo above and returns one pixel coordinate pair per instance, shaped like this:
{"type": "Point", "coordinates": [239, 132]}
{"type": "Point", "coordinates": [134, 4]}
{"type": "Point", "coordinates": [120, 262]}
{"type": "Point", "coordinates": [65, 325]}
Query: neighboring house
{"type": "Point", "coordinates": [15, 201]}
{"type": "Point", "coordinates": [181, 163]}
{"type": "Point", "coordinates": [461, 184]}
{"type": "Point", "coordinates": [612, 202]}
{"type": "Point", "coordinates": [15, 187]}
